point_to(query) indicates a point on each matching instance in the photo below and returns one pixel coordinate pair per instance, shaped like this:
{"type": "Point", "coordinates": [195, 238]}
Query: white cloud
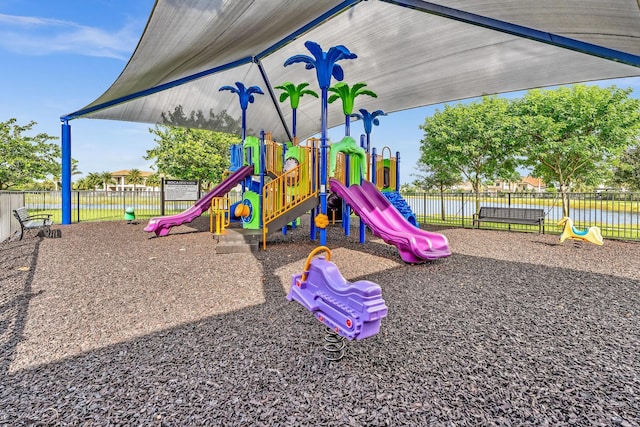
{"type": "Point", "coordinates": [30, 35]}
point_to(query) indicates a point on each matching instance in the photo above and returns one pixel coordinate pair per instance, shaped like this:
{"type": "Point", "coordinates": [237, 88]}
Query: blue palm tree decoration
{"type": "Point", "coordinates": [326, 67]}
{"type": "Point", "coordinates": [246, 97]}
{"type": "Point", "coordinates": [369, 119]}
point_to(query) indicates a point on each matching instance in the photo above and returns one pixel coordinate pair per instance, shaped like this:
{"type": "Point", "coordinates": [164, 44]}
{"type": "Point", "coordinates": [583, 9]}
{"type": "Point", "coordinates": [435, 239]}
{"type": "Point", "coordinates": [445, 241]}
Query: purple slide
{"type": "Point", "coordinates": [414, 245]}
{"type": "Point", "coordinates": [162, 225]}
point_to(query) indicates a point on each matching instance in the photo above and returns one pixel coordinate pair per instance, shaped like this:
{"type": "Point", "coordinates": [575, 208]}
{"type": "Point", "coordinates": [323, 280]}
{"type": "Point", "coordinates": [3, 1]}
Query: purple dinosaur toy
{"type": "Point", "coordinates": [352, 310]}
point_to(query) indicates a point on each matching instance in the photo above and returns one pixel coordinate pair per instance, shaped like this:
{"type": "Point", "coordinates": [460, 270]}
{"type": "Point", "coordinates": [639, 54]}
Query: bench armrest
{"type": "Point", "coordinates": [39, 216]}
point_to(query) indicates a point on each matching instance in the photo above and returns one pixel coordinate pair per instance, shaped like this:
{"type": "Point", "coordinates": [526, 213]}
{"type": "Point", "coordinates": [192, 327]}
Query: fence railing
{"type": "Point", "coordinates": [617, 214]}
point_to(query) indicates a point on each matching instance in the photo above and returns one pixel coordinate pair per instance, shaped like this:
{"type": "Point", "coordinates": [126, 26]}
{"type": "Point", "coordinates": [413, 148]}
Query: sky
{"type": "Point", "coordinates": [58, 56]}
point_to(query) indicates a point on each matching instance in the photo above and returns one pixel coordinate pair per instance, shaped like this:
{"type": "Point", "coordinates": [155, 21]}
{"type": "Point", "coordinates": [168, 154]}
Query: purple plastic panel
{"type": "Point", "coordinates": [414, 245]}
{"type": "Point", "coordinates": [162, 225]}
{"type": "Point", "coordinates": [352, 310]}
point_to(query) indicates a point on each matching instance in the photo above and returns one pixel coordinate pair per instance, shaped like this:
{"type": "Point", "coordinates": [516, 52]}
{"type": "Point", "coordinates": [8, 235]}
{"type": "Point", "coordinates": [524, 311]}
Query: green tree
{"type": "Point", "coordinates": [441, 177]}
{"type": "Point", "coordinates": [185, 153]}
{"type": "Point", "coordinates": [472, 140]}
{"type": "Point", "coordinates": [573, 134]}
{"type": "Point", "coordinates": [153, 180]}
{"type": "Point", "coordinates": [25, 158]}
{"type": "Point", "coordinates": [55, 179]}
{"type": "Point", "coordinates": [135, 177]}
{"type": "Point", "coordinates": [626, 171]}
{"type": "Point", "coordinates": [92, 181]}
{"type": "Point", "coordinates": [106, 178]}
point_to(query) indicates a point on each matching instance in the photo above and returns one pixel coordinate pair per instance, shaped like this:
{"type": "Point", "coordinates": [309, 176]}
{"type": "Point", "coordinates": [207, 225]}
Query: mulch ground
{"type": "Point", "coordinates": [103, 324]}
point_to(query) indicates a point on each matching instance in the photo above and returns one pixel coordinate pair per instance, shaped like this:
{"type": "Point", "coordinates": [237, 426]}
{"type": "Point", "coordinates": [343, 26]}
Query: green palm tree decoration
{"type": "Point", "coordinates": [348, 96]}
{"type": "Point", "coordinates": [294, 93]}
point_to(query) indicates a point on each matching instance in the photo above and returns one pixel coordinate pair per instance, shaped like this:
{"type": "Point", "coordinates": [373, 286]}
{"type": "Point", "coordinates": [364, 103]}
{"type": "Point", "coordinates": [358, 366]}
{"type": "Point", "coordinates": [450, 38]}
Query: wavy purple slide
{"type": "Point", "coordinates": [414, 245]}
{"type": "Point", "coordinates": [162, 225]}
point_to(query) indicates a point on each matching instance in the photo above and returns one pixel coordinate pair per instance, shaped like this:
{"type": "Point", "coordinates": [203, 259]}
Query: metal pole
{"type": "Point", "coordinates": [374, 172]}
{"type": "Point", "coordinates": [323, 162]}
{"type": "Point", "coordinates": [66, 172]}
{"type": "Point", "coordinates": [397, 171]}
{"type": "Point", "coordinates": [263, 168]}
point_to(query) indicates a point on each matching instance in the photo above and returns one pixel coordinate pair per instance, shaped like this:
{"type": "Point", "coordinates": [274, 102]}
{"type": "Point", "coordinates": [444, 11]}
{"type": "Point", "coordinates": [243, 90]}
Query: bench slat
{"type": "Point", "coordinates": [510, 215]}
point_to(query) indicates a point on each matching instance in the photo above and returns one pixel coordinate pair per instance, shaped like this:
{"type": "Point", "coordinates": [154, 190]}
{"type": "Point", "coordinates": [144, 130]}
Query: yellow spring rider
{"type": "Point", "coordinates": [591, 234]}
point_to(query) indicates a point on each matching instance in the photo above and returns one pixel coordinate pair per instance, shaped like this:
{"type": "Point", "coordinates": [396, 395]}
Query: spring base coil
{"type": "Point", "coordinates": [334, 345]}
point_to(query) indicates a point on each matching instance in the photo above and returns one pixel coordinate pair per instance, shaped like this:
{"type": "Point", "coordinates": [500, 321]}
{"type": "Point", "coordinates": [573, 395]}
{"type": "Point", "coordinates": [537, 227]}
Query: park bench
{"type": "Point", "coordinates": [526, 216]}
{"type": "Point", "coordinates": [40, 222]}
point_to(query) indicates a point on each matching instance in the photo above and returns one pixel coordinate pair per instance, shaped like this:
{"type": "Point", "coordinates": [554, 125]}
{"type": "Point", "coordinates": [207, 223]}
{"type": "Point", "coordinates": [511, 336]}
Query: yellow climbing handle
{"type": "Point", "coordinates": [310, 257]}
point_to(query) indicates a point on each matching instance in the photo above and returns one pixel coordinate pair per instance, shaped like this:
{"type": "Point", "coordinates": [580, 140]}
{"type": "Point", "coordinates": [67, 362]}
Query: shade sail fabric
{"type": "Point", "coordinates": [410, 53]}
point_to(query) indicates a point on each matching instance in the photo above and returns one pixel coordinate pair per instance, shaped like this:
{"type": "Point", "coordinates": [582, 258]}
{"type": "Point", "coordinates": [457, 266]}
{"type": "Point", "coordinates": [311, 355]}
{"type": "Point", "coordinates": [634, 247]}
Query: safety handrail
{"type": "Point", "coordinates": [288, 190]}
{"type": "Point", "coordinates": [219, 214]}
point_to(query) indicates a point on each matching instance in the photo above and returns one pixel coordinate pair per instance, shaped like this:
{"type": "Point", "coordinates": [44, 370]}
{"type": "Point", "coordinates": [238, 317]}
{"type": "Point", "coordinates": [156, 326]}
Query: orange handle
{"type": "Point", "coordinates": [310, 257]}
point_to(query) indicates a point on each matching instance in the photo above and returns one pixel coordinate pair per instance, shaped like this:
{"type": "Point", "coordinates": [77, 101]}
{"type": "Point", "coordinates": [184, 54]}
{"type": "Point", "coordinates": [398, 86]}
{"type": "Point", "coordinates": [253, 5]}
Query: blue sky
{"type": "Point", "coordinates": [58, 56]}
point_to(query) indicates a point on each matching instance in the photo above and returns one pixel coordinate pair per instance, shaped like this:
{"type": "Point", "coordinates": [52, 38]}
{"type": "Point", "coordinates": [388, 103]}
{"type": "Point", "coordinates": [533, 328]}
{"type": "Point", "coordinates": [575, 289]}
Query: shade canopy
{"type": "Point", "coordinates": [411, 53]}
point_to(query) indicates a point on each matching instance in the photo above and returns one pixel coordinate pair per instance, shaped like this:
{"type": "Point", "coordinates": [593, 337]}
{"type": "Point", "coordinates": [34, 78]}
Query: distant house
{"type": "Point", "coordinates": [120, 177]}
{"type": "Point", "coordinates": [527, 184]}
{"type": "Point", "coordinates": [532, 184]}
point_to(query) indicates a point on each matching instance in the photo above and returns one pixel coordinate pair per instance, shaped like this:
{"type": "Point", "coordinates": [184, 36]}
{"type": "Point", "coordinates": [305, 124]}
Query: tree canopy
{"type": "Point", "coordinates": [195, 154]}
{"type": "Point", "coordinates": [26, 158]}
{"type": "Point", "coordinates": [626, 171]}
{"type": "Point", "coordinates": [473, 140]}
{"type": "Point", "coordinates": [572, 135]}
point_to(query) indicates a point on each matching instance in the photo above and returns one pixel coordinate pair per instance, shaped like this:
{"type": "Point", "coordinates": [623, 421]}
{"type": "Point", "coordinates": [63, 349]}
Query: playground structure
{"type": "Point", "coordinates": [280, 184]}
{"type": "Point", "coordinates": [591, 234]}
{"type": "Point", "coordinates": [282, 181]}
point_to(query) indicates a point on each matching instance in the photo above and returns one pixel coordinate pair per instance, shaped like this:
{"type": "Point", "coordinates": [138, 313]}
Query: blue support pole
{"type": "Point", "coordinates": [284, 187]}
{"type": "Point", "coordinates": [373, 166]}
{"type": "Point", "coordinates": [263, 168]}
{"type": "Point", "coordinates": [314, 186]}
{"type": "Point", "coordinates": [346, 218]}
{"type": "Point", "coordinates": [66, 172]}
{"type": "Point", "coordinates": [397, 171]}
{"type": "Point", "coordinates": [324, 147]}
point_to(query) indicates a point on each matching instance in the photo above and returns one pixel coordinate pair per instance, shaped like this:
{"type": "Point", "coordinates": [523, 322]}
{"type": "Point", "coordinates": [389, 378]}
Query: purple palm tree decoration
{"type": "Point", "coordinates": [369, 119]}
{"type": "Point", "coordinates": [326, 67]}
{"type": "Point", "coordinates": [246, 97]}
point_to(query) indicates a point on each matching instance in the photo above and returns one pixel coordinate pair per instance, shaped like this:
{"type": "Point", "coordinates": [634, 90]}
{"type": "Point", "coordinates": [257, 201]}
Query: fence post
{"type": "Point", "coordinates": [462, 210]}
{"type": "Point", "coordinates": [424, 207]}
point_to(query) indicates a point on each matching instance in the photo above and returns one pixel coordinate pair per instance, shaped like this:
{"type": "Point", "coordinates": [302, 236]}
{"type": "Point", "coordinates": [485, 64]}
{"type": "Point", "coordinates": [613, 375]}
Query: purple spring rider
{"type": "Point", "coordinates": [352, 310]}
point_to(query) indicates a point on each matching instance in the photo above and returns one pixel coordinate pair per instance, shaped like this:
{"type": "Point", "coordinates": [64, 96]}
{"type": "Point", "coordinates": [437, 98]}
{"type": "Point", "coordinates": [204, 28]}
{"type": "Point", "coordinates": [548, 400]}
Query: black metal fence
{"type": "Point", "coordinates": [617, 214]}
{"type": "Point", "coordinates": [107, 205]}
